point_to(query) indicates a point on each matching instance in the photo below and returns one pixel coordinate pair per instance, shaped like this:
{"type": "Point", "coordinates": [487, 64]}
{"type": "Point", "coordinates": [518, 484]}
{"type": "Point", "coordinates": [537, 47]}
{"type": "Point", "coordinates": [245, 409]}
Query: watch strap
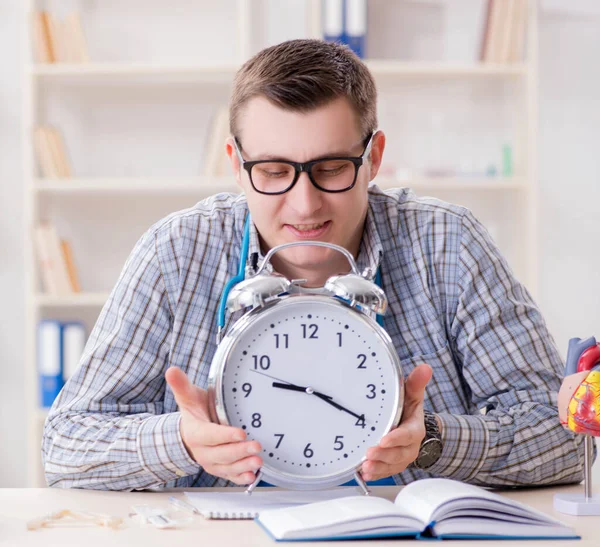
{"type": "Point", "coordinates": [431, 446]}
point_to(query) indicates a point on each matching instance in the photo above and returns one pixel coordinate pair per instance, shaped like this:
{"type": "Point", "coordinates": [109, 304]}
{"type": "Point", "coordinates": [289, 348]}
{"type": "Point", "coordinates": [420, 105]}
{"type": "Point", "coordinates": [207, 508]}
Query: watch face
{"type": "Point", "coordinates": [315, 382]}
{"type": "Point", "coordinates": [430, 453]}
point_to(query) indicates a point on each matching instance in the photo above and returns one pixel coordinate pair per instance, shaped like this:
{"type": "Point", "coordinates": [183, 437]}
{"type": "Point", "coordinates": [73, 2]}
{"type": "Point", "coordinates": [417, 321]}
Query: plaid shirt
{"type": "Point", "coordinates": [453, 303]}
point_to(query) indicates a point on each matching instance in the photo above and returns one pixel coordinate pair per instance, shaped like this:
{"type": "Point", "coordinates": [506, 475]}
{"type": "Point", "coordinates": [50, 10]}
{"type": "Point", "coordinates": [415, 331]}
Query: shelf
{"type": "Point", "coordinates": [482, 184]}
{"type": "Point", "coordinates": [165, 73]}
{"type": "Point", "coordinates": [77, 300]}
{"type": "Point", "coordinates": [381, 68]}
{"type": "Point", "coordinates": [202, 187]}
{"type": "Point", "coordinates": [225, 73]}
{"type": "Point", "coordinates": [198, 186]}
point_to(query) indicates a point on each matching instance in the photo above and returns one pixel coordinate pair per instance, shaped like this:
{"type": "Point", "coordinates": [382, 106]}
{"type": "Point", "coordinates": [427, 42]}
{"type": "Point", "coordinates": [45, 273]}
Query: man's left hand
{"type": "Point", "coordinates": [400, 447]}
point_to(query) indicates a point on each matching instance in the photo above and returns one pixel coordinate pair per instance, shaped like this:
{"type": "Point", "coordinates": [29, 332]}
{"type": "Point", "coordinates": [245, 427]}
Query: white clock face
{"type": "Point", "coordinates": [315, 384]}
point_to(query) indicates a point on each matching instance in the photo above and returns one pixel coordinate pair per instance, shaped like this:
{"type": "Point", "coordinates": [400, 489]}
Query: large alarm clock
{"type": "Point", "coordinates": [309, 375]}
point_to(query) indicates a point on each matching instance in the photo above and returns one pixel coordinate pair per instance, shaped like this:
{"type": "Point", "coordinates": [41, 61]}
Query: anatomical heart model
{"type": "Point", "coordinates": [579, 411]}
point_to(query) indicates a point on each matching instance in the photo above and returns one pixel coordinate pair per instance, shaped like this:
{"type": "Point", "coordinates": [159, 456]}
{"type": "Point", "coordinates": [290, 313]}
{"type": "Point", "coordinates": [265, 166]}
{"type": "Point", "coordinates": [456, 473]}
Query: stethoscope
{"type": "Point", "coordinates": [241, 275]}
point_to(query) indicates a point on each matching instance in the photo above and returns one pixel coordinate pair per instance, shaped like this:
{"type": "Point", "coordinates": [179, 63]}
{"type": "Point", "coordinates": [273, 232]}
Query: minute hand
{"type": "Point", "coordinates": [326, 398]}
{"type": "Point", "coordinates": [330, 400]}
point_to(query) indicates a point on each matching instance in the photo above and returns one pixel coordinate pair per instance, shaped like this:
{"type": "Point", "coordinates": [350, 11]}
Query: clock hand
{"type": "Point", "coordinates": [326, 398]}
{"type": "Point", "coordinates": [294, 387]}
{"type": "Point", "coordinates": [291, 387]}
{"type": "Point", "coordinates": [330, 400]}
{"type": "Point", "coordinates": [283, 382]}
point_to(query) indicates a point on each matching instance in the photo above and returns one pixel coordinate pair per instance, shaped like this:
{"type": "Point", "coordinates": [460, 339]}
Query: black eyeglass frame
{"type": "Point", "coordinates": [307, 167]}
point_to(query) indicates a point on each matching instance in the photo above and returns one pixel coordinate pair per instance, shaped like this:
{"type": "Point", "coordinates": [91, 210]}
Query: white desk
{"type": "Point", "coordinates": [17, 506]}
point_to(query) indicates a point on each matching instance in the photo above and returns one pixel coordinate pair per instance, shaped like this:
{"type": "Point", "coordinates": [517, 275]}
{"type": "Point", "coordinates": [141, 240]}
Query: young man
{"type": "Point", "coordinates": [136, 415]}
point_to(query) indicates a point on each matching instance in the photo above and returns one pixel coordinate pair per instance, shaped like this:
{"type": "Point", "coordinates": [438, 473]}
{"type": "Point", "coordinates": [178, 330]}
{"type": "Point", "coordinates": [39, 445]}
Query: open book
{"type": "Point", "coordinates": [438, 508]}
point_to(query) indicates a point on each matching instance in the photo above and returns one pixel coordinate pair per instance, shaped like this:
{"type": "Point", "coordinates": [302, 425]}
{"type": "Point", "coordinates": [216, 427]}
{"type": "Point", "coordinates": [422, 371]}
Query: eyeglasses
{"type": "Point", "coordinates": [333, 175]}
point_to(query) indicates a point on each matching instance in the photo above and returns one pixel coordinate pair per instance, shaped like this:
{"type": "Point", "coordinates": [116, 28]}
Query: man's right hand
{"type": "Point", "coordinates": [221, 450]}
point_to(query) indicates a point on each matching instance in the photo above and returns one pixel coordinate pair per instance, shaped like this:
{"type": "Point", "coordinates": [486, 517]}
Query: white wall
{"type": "Point", "coordinates": [12, 418]}
{"type": "Point", "coordinates": [570, 190]}
{"type": "Point", "coordinates": [569, 167]}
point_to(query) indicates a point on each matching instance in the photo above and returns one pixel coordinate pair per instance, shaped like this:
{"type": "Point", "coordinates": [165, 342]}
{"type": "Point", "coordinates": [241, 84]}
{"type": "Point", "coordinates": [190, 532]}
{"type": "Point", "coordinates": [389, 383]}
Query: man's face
{"type": "Point", "coordinates": [305, 212]}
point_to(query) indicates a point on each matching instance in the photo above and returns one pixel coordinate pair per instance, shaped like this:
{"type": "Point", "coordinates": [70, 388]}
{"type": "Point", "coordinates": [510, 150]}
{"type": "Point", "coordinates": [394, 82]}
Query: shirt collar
{"type": "Point", "coordinates": [255, 255]}
{"type": "Point", "coordinates": [369, 252]}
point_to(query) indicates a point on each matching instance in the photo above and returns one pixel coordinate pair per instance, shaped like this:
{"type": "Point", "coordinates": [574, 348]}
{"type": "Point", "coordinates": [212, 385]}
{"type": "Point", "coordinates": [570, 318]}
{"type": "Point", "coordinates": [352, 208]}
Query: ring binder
{"type": "Point", "coordinates": [218, 515]}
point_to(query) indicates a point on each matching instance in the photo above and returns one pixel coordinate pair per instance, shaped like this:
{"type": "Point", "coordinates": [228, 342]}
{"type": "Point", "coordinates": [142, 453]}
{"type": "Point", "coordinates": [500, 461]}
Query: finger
{"type": "Point", "coordinates": [212, 410]}
{"type": "Point", "coordinates": [416, 383]}
{"type": "Point", "coordinates": [243, 479]}
{"type": "Point", "coordinates": [187, 396]}
{"type": "Point", "coordinates": [410, 431]}
{"type": "Point", "coordinates": [250, 464]}
{"type": "Point", "coordinates": [394, 456]}
{"type": "Point", "coordinates": [229, 453]}
{"type": "Point", "coordinates": [372, 471]}
{"type": "Point", "coordinates": [209, 434]}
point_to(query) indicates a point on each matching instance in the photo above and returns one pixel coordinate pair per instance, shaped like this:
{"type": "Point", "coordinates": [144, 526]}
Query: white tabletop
{"type": "Point", "coordinates": [18, 506]}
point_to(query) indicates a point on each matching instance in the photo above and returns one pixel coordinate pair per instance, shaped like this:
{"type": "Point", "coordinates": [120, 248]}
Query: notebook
{"type": "Point", "coordinates": [239, 505]}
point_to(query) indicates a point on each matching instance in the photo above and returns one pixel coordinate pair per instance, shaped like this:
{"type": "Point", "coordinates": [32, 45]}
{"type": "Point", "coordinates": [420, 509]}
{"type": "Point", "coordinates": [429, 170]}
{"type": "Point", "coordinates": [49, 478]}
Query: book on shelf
{"type": "Point", "coordinates": [504, 31]}
{"type": "Point", "coordinates": [215, 159]}
{"type": "Point", "coordinates": [49, 361]}
{"type": "Point", "coordinates": [42, 46]}
{"type": "Point", "coordinates": [345, 21]}
{"type": "Point", "coordinates": [58, 41]}
{"type": "Point", "coordinates": [73, 339]}
{"type": "Point", "coordinates": [425, 509]}
{"type": "Point", "coordinates": [51, 153]}
{"type": "Point", "coordinates": [355, 25]}
{"type": "Point", "coordinates": [67, 254]}
{"type": "Point", "coordinates": [59, 350]}
{"type": "Point", "coordinates": [76, 47]}
{"type": "Point", "coordinates": [333, 20]}
{"type": "Point", "coordinates": [55, 258]}
{"type": "Point", "coordinates": [518, 31]}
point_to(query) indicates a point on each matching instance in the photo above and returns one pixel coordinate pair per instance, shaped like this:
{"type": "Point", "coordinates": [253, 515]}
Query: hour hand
{"type": "Point", "coordinates": [291, 387]}
{"type": "Point", "coordinates": [309, 390]}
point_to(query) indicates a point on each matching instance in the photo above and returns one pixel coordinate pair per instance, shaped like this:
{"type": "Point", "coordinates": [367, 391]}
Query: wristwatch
{"type": "Point", "coordinates": [431, 446]}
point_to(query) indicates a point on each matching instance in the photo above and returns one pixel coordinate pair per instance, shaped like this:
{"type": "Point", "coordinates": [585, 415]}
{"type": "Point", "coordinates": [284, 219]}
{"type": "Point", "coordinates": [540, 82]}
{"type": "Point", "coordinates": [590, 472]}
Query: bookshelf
{"type": "Point", "coordinates": [69, 90]}
{"type": "Point", "coordinates": [197, 186]}
{"type": "Point", "coordinates": [79, 300]}
{"type": "Point", "coordinates": [379, 68]}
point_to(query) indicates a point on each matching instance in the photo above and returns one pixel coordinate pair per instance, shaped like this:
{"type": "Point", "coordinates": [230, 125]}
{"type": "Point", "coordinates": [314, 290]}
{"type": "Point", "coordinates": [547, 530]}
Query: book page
{"type": "Point", "coordinates": [485, 528]}
{"type": "Point", "coordinates": [426, 495]}
{"type": "Point", "coordinates": [433, 499]}
{"type": "Point", "coordinates": [356, 516]}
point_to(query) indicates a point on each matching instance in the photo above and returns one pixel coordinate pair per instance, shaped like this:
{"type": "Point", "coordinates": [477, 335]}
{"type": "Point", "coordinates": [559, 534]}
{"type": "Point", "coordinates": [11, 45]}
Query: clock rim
{"type": "Point", "coordinates": [226, 346]}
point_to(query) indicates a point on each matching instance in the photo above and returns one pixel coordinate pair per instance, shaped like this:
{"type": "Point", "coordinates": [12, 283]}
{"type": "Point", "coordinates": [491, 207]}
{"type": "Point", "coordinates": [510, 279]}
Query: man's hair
{"type": "Point", "coordinates": [301, 75]}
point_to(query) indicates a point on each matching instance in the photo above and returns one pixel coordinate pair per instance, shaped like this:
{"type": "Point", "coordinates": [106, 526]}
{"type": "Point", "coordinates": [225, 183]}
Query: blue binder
{"type": "Point", "coordinates": [49, 360]}
{"type": "Point", "coordinates": [333, 20]}
{"type": "Point", "coordinates": [355, 25]}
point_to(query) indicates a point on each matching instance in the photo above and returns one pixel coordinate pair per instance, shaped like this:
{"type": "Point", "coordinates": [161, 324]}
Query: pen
{"type": "Point", "coordinates": [180, 504]}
